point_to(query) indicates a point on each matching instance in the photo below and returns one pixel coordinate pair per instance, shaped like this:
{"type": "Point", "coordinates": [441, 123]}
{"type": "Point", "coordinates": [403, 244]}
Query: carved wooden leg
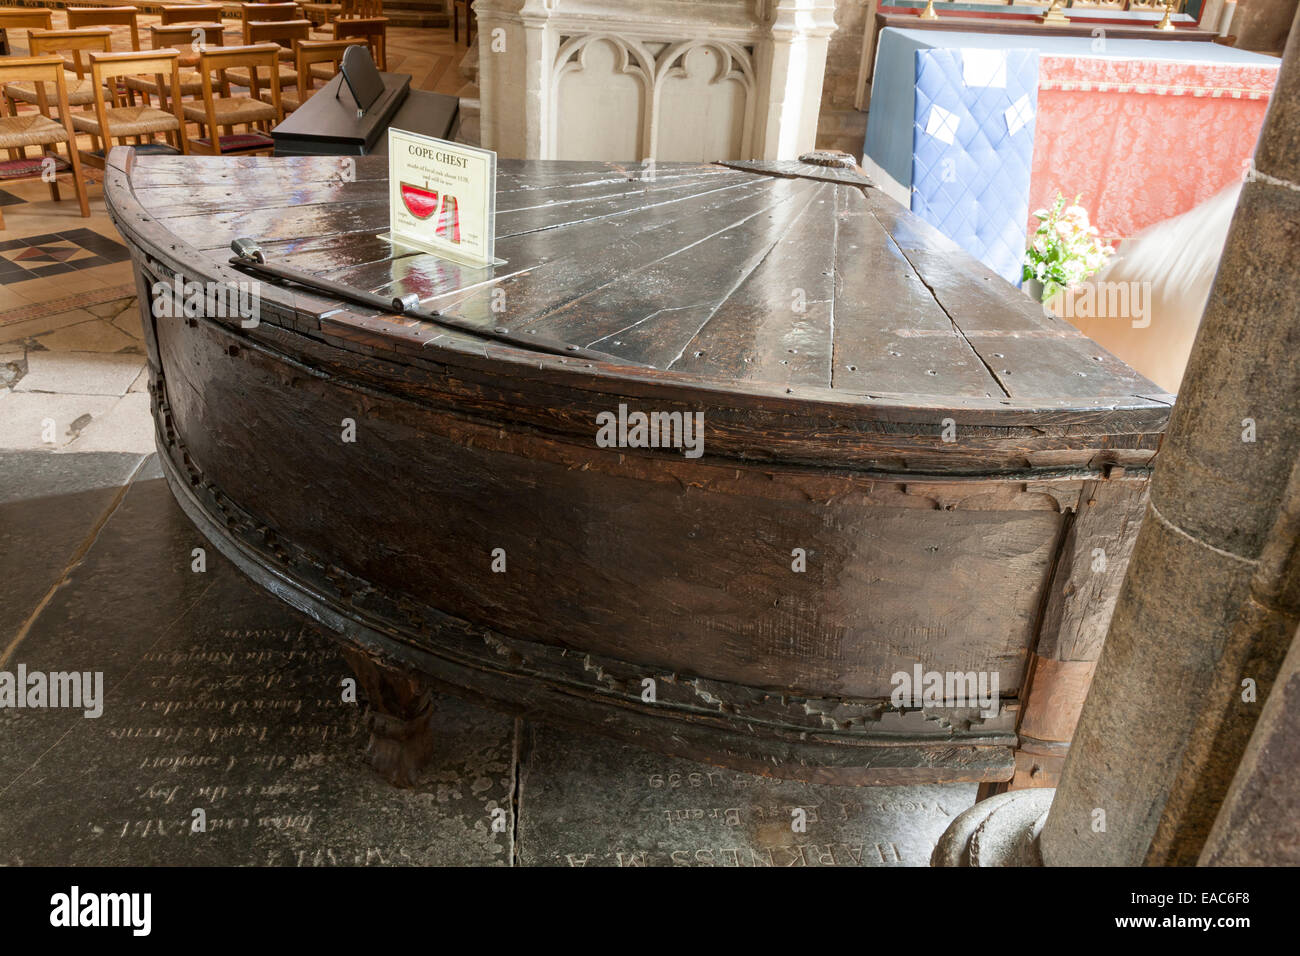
{"type": "Point", "coordinates": [401, 711]}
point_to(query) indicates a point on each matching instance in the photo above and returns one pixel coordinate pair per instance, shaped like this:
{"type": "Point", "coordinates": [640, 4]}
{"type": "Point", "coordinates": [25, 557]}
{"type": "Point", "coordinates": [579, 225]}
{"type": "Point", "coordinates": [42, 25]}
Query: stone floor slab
{"type": "Point", "coordinates": [28, 328]}
{"type": "Point", "coordinates": [127, 426]}
{"type": "Point", "coordinates": [220, 698]}
{"type": "Point", "coordinates": [49, 507]}
{"type": "Point", "coordinates": [27, 419]}
{"type": "Point", "coordinates": [587, 801]}
{"type": "Point", "coordinates": [128, 320]}
{"type": "Point", "coordinates": [96, 335]}
{"type": "Point", "coordinates": [80, 373]}
{"type": "Point", "coordinates": [112, 308]}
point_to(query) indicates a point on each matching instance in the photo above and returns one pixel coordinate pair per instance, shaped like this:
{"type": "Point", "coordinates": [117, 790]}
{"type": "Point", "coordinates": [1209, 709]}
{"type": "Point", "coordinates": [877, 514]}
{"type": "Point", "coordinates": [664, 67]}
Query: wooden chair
{"type": "Point", "coordinates": [142, 123]}
{"type": "Point", "coordinates": [470, 26]}
{"type": "Point", "coordinates": [316, 60]}
{"type": "Point", "coordinates": [106, 17]}
{"type": "Point", "coordinates": [33, 19]}
{"type": "Point", "coordinates": [266, 13]}
{"type": "Point", "coordinates": [189, 13]}
{"type": "Point", "coordinates": [77, 81]}
{"type": "Point", "coordinates": [280, 12]}
{"type": "Point", "coordinates": [194, 35]}
{"type": "Point", "coordinates": [191, 37]}
{"type": "Point", "coordinates": [275, 13]}
{"type": "Point", "coordinates": [320, 14]}
{"type": "Point", "coordinates": [261, 63]}
{"type": "Point", "coordinates": [39, 129]}
{"type": "Point", "coordinates": [374, 30]}
{"type": "Point", "coordinates": [124, 16]}
{"type": "Point", "coordinates": [285, 35]}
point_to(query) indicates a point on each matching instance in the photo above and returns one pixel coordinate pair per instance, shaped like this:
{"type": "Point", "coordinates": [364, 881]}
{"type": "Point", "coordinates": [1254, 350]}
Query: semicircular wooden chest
{"type": "Point", "coordinates": [905, 464]}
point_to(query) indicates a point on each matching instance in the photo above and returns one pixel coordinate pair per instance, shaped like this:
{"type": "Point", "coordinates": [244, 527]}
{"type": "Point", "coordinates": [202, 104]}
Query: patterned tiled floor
{"type": "Point", "coordinates": [53, 253]}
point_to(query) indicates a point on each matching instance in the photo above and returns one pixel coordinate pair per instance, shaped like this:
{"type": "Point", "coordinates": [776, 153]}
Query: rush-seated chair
{"type": "Point", "coordinates": [77, 81]}
{"type": "Point", "coordinates": [267, 13]}
{"type": "Point", "coordinates": [317, 60]}
{"type": "Point", "coordinates": [284, 34]}
{"type": "Point", "coordinates": [320, 14]}
{"type": "Point", "coordinates": [260, 64]}
{"type": "Point", "coordinates": [182, 37]}
{"type": "Point", "coordinates": [374, 30]}
{"type": "Point", "coordinates": [170, 14]}
{"type": "Point", "coordinates": [125, 16]}
{"type": "Point", "coordinates": [119, 121]}
{"type": "Point", "coordinates": [32, 18]}
{"type": "Point", "coordinates": [38, 128]}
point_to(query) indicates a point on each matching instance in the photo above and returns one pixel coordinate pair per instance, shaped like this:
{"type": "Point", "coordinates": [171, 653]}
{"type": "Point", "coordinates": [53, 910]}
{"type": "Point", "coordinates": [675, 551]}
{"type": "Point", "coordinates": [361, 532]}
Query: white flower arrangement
{"type": "Point", "coordinates": [1065, 248]}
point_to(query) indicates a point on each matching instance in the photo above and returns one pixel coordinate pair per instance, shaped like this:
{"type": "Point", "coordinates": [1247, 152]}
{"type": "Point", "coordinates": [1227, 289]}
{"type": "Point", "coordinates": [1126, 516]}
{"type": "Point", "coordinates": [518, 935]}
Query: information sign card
{"type": "Point", "coordinates": [442, 197]}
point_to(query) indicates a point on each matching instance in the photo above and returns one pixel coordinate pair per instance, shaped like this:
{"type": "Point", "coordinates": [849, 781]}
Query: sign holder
{"type": "Point", "coordinates": [442, 198]}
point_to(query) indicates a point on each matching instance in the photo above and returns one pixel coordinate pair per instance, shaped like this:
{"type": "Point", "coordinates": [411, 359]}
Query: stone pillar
{"type": "Point", "coordinates": [1257, 824]}
{"type": "Point", "coordinates": [1211, 599]}
{"type": "Point", "coordinates": [792, 62]}
{"type": "Point", "coordinates": [1261, 25]}
{"type": "Point", "coordinates": [515, 51]}
{"type": "Point", "coordinates": [1212, 595]}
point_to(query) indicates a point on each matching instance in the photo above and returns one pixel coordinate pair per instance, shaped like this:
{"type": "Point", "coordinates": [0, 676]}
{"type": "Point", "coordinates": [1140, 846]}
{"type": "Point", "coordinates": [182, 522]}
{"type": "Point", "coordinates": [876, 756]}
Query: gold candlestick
{"type": "Point", "coordinates": [928, 13]}
{"type": "Point", "coordinates": [1053, 14]}
{"type": "Point", "coordinates": [1167, 22]}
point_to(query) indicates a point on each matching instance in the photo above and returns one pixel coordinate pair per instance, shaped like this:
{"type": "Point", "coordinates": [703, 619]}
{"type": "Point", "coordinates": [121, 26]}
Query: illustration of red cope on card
{"type": "Point", "coordinates": [423, 203]}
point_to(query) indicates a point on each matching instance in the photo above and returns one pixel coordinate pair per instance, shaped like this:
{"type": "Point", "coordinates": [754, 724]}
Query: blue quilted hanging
{"type": "Point", "coordinates": [973, 148]}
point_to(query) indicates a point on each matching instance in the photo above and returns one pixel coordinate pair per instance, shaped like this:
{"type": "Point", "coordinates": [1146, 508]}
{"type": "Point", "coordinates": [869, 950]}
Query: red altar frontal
{"type": "Point", "coordinates": [975, 131]}
{"type": "Point", "coordinates": [1144, 140]}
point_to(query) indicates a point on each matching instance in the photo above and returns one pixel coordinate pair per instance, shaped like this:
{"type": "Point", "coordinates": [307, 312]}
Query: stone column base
{"type": "Point", "coordinates": [1000, 831]}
